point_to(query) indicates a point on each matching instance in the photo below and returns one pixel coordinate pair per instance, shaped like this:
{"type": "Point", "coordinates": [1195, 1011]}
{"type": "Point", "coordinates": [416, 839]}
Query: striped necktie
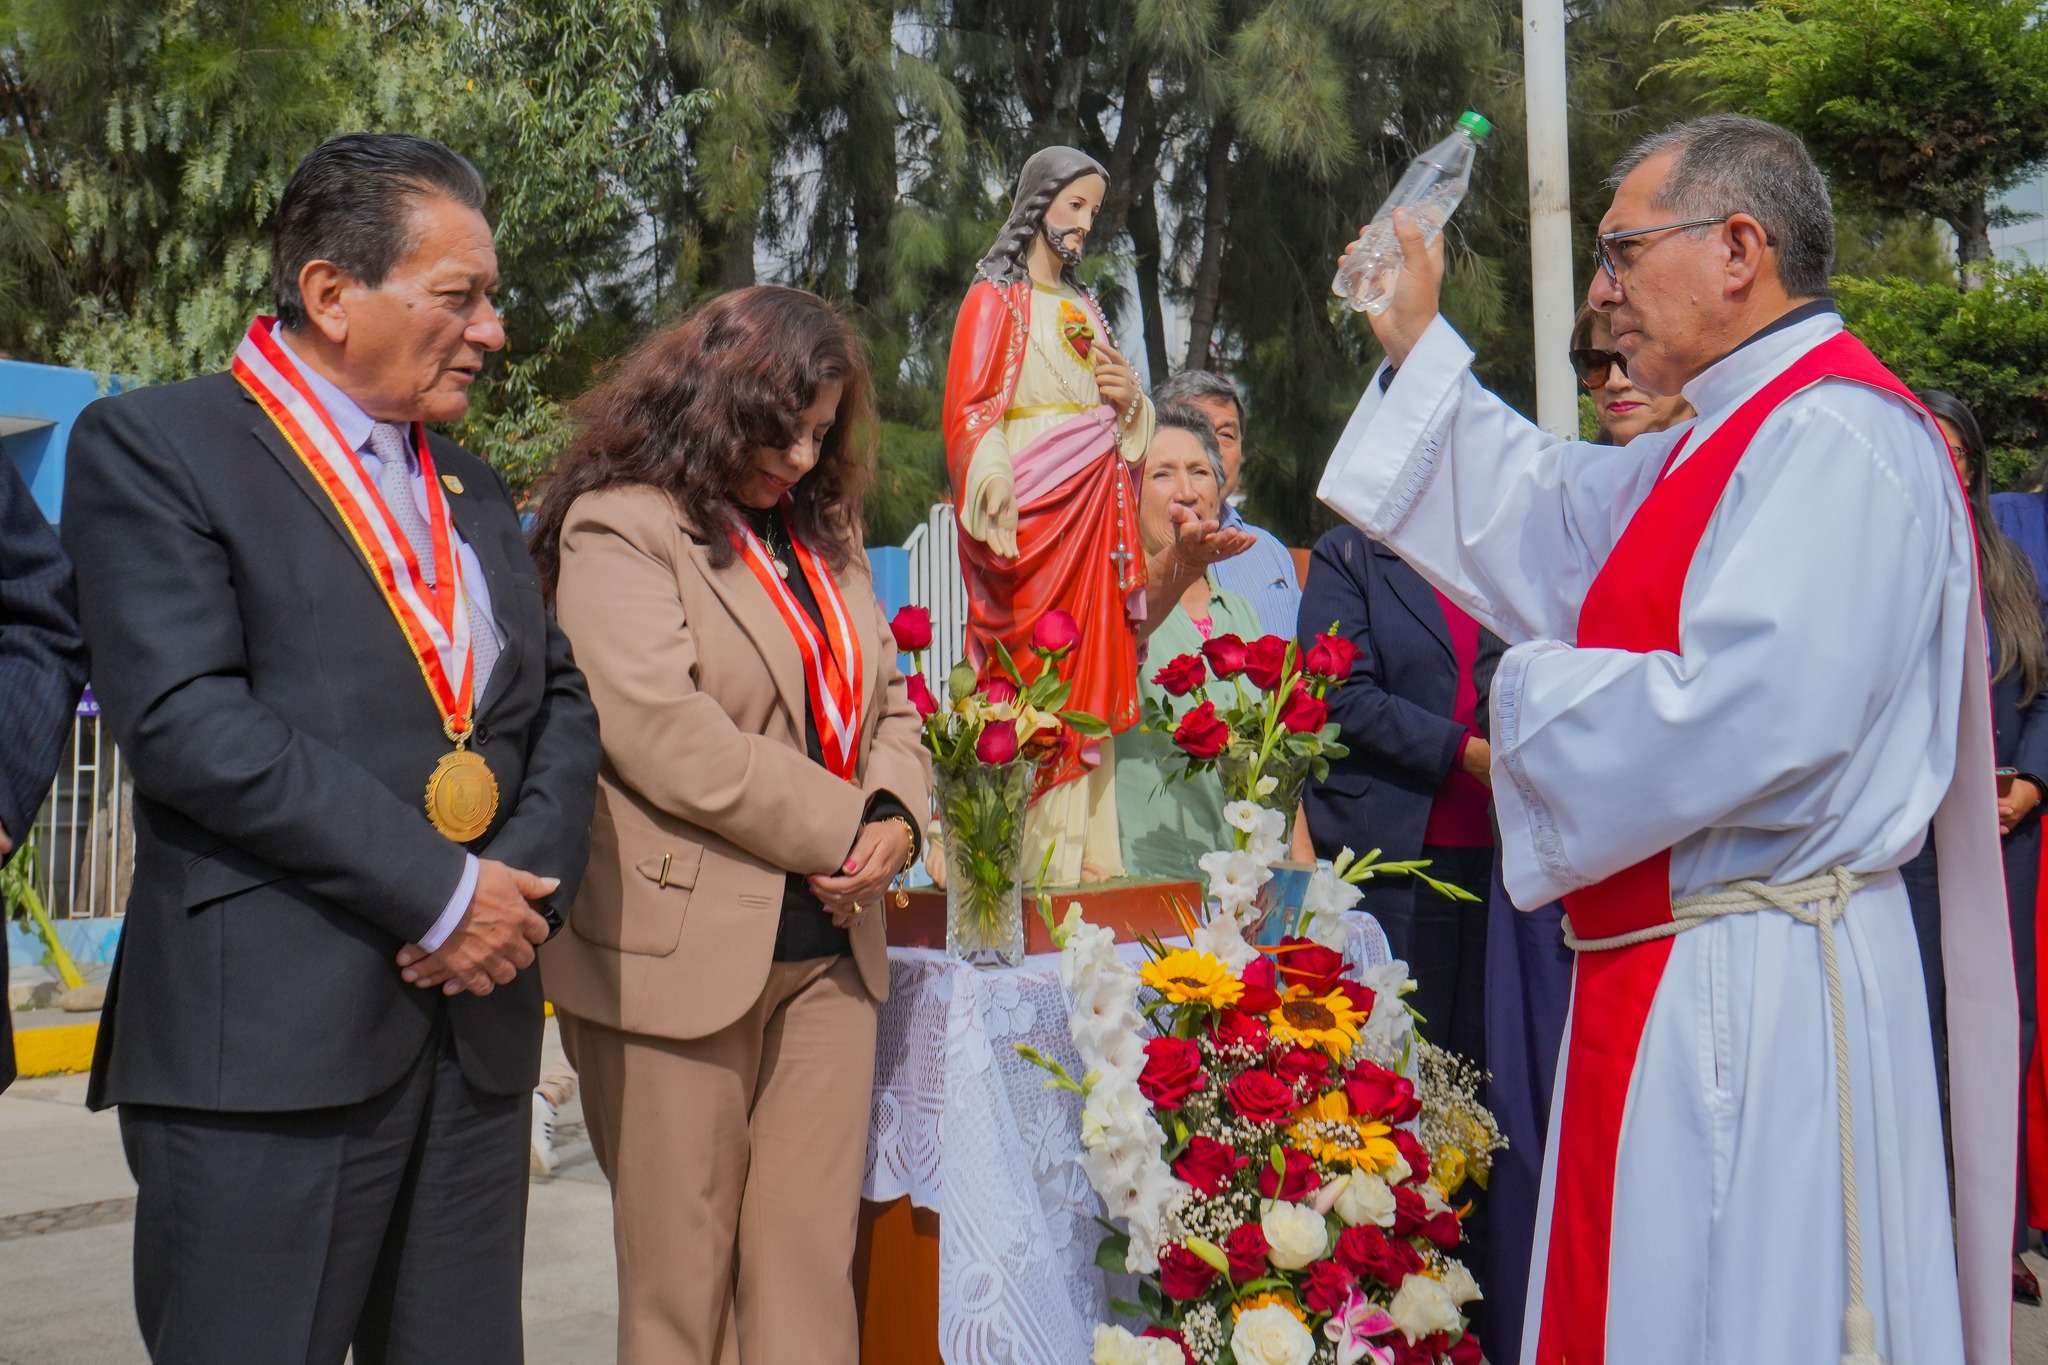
{"type": "Point", "coordinates": [394, 485]}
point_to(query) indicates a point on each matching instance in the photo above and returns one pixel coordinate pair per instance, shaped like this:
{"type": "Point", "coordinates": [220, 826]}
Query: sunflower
{"type": "Point", "coordinates": [1327, 1130]}
{"type": "Point", "coordinates": [1325, 1021]}
{"type": "Point", "coordinates": [1185, 976]}
{"type": "Point", "coordinates": [1269, 1299]}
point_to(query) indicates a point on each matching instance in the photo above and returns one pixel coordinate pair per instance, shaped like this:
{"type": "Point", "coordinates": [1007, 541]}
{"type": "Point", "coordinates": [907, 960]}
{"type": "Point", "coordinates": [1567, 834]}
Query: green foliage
{"type": "Point", "coordinates": [1914, 106]}
{"type": "Point", "coordinates": [1988, 346]}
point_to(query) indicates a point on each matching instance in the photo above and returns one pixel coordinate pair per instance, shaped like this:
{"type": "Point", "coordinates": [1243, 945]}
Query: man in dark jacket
{"type": "Point", "coordinates": [364, 768]}
{"type": "Point", "coordinates": [1415, 782]}
{"type": "Point", "coordinates": [42, 667]}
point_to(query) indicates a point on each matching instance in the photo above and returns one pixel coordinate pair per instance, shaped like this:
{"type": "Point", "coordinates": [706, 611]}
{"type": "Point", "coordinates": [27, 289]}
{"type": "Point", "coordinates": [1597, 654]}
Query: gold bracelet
{"type": "Point", "coordinates": [909, 859]}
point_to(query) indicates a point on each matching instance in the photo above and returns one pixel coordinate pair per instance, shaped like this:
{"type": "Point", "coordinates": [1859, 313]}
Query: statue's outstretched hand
{"type": "Point", "coordinates": [1417, 290]}
{"type": "Point", "coordinates": [1115, 380]}
{"type": "Point", "coordinates": [999, 512]}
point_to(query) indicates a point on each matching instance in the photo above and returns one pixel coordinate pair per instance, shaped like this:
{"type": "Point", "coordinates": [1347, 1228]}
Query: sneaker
{"type": "Point", "coordinates": [540, 1151]}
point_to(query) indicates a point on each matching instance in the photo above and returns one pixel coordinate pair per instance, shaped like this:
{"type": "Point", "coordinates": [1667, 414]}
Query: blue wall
{"type": "Point", "coordinates": [48, 393]}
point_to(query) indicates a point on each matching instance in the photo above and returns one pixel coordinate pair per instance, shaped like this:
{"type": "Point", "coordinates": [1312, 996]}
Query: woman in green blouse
{"type": "Point", "coordinates": [1166, 824]}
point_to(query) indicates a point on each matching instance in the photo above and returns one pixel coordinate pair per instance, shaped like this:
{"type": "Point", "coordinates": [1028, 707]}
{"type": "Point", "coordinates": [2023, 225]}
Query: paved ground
{"type": "Point", "coordinates": [66, 1211]}
{"type": "Point", "coordinates": [66, 1223]}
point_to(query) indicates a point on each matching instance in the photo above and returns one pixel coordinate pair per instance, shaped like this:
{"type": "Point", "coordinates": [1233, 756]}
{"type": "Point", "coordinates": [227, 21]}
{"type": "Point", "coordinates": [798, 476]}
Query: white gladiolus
{"type": "Point", "coordinates": [1423, 1307]}
{"type": "Point", "coordinates": [1366, 1198]}
{"type": "Point", "coordinates": [1295, 1234]}
{"type": "Point", "coordinates": [1271, 1336]}
{"type": "Point", "coordinates": [1223, 939]}
{"type": "Point", "coordinates": [1329, 893]}
{"type": "Point", "coordinates": [1234, 877]}
{"type": "Point", "coordinates": [1328, 928]}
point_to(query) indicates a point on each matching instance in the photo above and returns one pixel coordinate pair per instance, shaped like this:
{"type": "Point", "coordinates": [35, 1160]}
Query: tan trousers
{"type": "Point", "coordinates": [735, 1163]}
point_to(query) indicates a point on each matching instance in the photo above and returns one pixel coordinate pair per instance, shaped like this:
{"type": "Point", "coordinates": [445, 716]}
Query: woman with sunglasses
{"type": "Point", "coordinates": [1623, 410]}
{"type": "Point", "coordinates": [1528, 968]}
{"type": "Point", "coordinates": [2019, 717]}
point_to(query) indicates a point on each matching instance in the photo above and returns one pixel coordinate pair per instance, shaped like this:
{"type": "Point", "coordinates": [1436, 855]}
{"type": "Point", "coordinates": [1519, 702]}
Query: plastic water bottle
{"type": "Point", "coordinates": [1431, 189]}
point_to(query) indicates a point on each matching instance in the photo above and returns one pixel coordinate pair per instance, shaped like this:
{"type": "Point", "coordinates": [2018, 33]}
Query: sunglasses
{"type": "Point", "coordinates": [1594, 367]}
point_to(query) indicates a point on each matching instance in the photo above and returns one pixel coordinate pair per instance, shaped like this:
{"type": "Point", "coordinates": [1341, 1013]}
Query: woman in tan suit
{"type": "Point", "coordinates": [762, 787]}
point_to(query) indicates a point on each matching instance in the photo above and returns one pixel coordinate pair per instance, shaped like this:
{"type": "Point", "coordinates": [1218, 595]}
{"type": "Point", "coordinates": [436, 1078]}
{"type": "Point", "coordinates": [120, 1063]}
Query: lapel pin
{"type": "Point", "coordinates": [454, 484]}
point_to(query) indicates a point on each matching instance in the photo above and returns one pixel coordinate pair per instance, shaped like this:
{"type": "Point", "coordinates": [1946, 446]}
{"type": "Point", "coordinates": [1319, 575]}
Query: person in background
{"type": "Point", "coordinates": [2013, 607]}
{"type": "Point", "coordinates": [364, 765]}
{"type": "Point", "coordinates": [1263, 575]}
{"type": "Point", "coordinates": [1528, 968]}
{"type": "Point", "coordinates": [1166, 823]}
{"type": "Point", "coordinates": [42, 668]}
{"type": "Point", "coordinates": [717, 993]}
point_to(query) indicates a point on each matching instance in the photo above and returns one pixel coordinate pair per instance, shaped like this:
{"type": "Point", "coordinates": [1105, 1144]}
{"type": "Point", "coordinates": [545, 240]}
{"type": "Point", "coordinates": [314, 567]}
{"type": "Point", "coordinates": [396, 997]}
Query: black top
{"type": "Point", "coordinates": [806, 929]}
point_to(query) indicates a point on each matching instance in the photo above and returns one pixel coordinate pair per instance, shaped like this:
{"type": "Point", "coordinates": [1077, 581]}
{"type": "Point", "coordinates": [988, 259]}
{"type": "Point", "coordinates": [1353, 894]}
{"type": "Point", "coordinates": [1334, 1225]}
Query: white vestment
{"type": "Point", "coordinates": [1811, 719]}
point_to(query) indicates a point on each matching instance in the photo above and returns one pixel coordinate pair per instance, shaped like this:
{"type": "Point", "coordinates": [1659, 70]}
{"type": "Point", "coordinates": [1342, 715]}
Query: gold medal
{"type": "Point", "coordinates": [462, 795]}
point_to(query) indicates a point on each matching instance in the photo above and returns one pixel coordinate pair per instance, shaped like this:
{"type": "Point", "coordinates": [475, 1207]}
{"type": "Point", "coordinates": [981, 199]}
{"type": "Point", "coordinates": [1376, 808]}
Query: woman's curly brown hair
{"type": "Point", "coordinates": [685, 410]}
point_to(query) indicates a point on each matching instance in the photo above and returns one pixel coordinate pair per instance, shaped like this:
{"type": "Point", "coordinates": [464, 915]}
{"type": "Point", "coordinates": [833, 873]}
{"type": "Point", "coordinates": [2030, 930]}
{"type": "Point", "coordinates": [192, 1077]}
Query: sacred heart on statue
{"type": "Point", "coordinates": [1075, 328]}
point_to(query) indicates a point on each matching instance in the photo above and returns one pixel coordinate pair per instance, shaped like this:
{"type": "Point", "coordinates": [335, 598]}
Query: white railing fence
{"type": "Point", "coordinates": [936, 585]}
{"type": "Point", "coordinates": [85, 835]}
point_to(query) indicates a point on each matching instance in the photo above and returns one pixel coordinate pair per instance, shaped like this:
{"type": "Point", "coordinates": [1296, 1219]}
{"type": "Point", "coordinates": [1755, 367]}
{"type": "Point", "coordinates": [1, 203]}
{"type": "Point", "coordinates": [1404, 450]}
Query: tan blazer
{"type": "Point", "coordinates": [705, 797]}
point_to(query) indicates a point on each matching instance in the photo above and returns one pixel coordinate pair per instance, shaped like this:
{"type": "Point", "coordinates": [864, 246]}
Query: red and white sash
{"type": "Point", "coordinates": [1633, 604]}
{"type": "Point", "coordinates": [832, 663]}
{"type": "Point", "coordinates": [435, 618]}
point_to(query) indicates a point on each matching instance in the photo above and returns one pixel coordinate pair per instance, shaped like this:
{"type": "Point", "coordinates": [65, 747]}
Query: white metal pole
{"type": "Point", "coordinates": [1550, 216]}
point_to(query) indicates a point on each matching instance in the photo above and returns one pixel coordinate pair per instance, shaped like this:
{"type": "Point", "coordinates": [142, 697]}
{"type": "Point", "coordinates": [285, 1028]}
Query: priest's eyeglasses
{"type": "Point", "coordinates": [1606, 241]}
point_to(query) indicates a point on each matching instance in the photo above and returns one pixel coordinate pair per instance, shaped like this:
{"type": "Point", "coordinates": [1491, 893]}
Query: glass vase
{"type": "Point", "coordinates": [981, 814]}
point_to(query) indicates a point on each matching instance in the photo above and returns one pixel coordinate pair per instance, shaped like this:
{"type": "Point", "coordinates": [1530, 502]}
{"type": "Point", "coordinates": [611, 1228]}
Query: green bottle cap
{"type": "Point", "coordinates": [1475, 124]}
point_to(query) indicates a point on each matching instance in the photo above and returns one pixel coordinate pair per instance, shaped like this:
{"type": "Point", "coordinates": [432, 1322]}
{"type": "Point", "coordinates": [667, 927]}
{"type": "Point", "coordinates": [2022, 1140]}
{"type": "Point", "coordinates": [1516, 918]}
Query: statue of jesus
{"type": "Point", "coordinates": [1044, 426]}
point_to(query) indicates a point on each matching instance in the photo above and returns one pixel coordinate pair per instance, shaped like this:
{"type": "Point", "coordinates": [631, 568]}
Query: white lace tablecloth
{"type": "Point", "coordinates": [968, 1129]}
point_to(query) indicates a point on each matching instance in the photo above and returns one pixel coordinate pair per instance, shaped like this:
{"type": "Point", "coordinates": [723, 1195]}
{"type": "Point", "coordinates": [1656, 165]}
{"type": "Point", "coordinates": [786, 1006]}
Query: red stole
{"type": "Point", "coordinates": [1633, 605]}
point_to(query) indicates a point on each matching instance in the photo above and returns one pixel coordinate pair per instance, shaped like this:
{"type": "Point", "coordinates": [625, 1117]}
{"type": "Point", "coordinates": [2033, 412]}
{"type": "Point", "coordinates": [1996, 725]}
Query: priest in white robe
{"type": "Point", "coordinates": [1820, 698]}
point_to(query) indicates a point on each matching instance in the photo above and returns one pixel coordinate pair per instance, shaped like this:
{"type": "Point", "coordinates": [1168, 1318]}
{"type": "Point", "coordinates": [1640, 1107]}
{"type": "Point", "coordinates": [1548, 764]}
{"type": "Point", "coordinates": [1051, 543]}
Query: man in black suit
{"type": "Point", "coordinates": [42, 667]}
{"type": "Point", "coordinates": [324, 1025]}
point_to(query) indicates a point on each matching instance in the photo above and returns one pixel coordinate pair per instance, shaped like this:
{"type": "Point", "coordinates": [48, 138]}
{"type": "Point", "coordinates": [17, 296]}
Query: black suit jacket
{"type": "Point", "coordinates": [281, 737]}
{"type": "Point", "coordinates": [1395, 711]}
{"type": "Point", "coordinates": [42, 667]}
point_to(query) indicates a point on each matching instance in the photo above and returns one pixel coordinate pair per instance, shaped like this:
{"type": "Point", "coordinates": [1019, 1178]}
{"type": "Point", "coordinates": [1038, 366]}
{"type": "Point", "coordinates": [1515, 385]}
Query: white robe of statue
{"type": "Point", "coordinates": [1811, 719]}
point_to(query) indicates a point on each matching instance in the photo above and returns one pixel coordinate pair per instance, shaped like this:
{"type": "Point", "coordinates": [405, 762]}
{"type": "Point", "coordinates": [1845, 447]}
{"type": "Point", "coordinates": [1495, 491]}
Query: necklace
{"type": "Point", "coordinates": [769, 529]}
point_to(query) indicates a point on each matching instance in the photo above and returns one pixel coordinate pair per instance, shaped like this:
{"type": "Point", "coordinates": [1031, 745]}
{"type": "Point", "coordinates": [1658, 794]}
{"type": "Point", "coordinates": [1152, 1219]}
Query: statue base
{"type": "Point", "coordinates": [1129, 906]}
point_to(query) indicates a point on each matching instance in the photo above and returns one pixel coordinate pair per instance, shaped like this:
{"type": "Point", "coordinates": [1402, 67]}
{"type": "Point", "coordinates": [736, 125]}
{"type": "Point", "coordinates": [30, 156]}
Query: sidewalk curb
{"type": "Point", "coordinates": [55, 1050]}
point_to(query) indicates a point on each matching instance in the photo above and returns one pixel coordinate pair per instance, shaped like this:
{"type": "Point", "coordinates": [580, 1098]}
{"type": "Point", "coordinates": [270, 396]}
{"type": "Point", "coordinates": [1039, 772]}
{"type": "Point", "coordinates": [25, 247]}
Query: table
{"type": "Point", "coordinates": [963, 1128]}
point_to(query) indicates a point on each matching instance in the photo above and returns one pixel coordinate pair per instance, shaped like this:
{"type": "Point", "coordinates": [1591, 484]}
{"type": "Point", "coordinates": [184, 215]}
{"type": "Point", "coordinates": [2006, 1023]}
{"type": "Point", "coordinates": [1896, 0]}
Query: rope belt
{"type": "Point", "coordinates": [1828, 896]}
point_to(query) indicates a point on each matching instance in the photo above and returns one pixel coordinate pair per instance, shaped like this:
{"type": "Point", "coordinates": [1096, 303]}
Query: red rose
{"type": "Point", "coordinates": [1303, 714]}
{"type": "Point", "coordinates": [1055, 634]}
{"type": "Point", "coordinates": [1184, 1275]}
{"type": "Point", "coordinates": [1411, 1151]}
{"type": "Point", "coordinates": [1325, 1285]}
{"type": "Point", "coordinates": [1235, 1028]}
{"type": "Point", "coordinates": [1423, 1351]}
{"type": "Point", "coordinates": [1465, 1350]}
{"type": "Point", "coordinates": [1331, 656]}
{"type": "Point", "coordinates": [1208, 1165]}
{"type": "Point", "coordinates": [1376, 1091]}
{"type": "Point", "coordinates": [1182, 676]}
{"type": "Point", "coordinates": [1202, 734]}
{"type": "Point", "coordinates": [1261, 994]}
{"type": "Point", "coordinates": [1265, 661]}
{"type": "Point", "coordinates": [1410, 1213]}
{"type": "Point", "coordinates": [998, 742]}
{"type": "Point", "coordinates": [1246, 1248]}
{"type": "Point", "coordinates": [1260, 1096]}
{"type": "Point", "coordinates": [912, 628]}
{"type": "Point", "coordinates": [996, 689]}
{"type": "Point", "coordinates": [1303, 962]}
{"type": "Point", "coordinates": [1299, 1066]}
{"type": "Point", "coordinates": [1298, 1183]}
{"type": "Point", "coordinates": [1367, 1252]}
{"type": "Point", "coordinates": [1443, 1230]}
{"type": "Point", "coordinates": [1227, 655]}
{"type": "Point", "coordinates": [920, 695]}
{"type": "Point", "coordinates": [1168, 1334]}
{"type": "Point", "coordinates": [1173, 1071]}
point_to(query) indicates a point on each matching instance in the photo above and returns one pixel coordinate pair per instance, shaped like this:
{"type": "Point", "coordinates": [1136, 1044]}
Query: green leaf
{"type": "Point", "coordinates": [1092, 727]}
{"type": "Point", "coordinates": [1110, 1253]}
{"type": "Point", "coordinates": [960, 682]}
